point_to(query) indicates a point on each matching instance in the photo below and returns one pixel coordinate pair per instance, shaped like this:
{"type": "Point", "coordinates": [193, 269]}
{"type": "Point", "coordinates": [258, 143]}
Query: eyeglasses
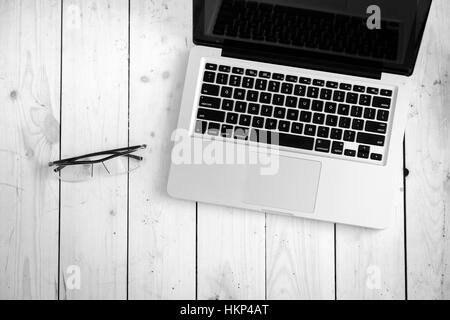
{"type": "Point", "coordinates": [112, 163]}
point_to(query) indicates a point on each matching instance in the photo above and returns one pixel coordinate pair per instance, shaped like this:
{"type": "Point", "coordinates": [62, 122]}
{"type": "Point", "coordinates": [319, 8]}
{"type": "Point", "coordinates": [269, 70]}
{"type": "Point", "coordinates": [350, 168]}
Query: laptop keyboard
{"type": "Point", "coordinates": [340, 119]}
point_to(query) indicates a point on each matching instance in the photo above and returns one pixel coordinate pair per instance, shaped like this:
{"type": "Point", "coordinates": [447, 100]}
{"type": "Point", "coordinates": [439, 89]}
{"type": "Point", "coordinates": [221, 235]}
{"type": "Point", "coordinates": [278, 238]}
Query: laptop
{"type": "Point", "coordinates": [298, 107]}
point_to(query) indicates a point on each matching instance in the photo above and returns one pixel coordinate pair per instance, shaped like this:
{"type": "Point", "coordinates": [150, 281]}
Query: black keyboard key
{"type": "Point", "coordinates": [319, 118]}
{"type": "Point", "coordinates": [261, 84]}
{"type": "Point", "coordinates": [239, 94]}
{"type": "Point", "coordinates": [209, 102]}
{"type": "Point", "coordinates": [357, 111]}
{"type": "Point", "coordinates": [383, 115]}
{"type": "Point", "coordinates": [343, 109]}
{"type": "Point", "coordinates": [248, 82]}
{"type": "Point", "coordinates": [381, 102]}
{"type": "Point", "coordinates": [241, 133]}
{"type": "Point", "coordinates": [350, 153]}
{"type": "Point", "coordinates": [211, 66]}
{"type": "Point", "coordinates": [305, 80]}
{"type": "Point", "coordinates": [278, 76]}
{"type": "Point", "coordinates": [345, 122]}
{"type": "Point", "coordinates": [235, 81]}
{"type": "Point", "coordinates": [317, 105]}
{"type": "Point", "coordinates": [201, 126]}
{"type": "Point", "coordinates": [264, 74]}
{"type": "Point", "coordinates": [323, 145]}
{"type": "Point", "coordinates": [310, 130]}
{"type": "Point", "coordinates": [365, 100]}
{"type": "Point", "coordinates": [252, 95]}
{"type": "Point", "coordinates": [319, 83]}
{"type": "Point", "coordinates": [349, 135]}
{"type": "Point", "coordinates": [237, 70]}
{"type": "Point", "coordinates": [282, 139]}
{"type": "Point", "coordinates": [265, 97]}
{"type": "Point", "coordinates": [313, 92]}
{"type": "Point", "coordinates": [226, 92]}
{"type": "Point", "coordinates": [211, 115]}
{"type": "Point", "coordinates": [305, 116]}
{"type": "Point", "coordinates": [292, 114]}
{"type": "Point", "coordinates": [210, 89]}
{"type": "Point", "coordinates": [371, 139]}
{"type": "Point", "coordinates": [209, 77]}
{"type": "Point", "coordinates": [345, 86]}
{"type": "Point", "coordinates": [253, 108]}
{"type": "Point", "coordinates": [363, 152]}
{"type": "Point", "coordinates": [222, 78]}
{"type": "Point", "coordinates": [376, 157]}
{"type": "Point", "coordinates": [300, 90]}
{"type": "Point", "coordinates": [224, 69]}
{"type": "Point", "coordinates": [332, 121]}
{"type": "Point", "coordinates": [240, 107]}
{"type": "Point", "coordinates": [359, 88]}
{"type": "Point", "coordinates": [278, 100]}
{"type": "Point", "coordinates": [291, 102]}
{"type": "Point", "coordinates": [287, 88]}
{"type": "Point", "coordinates": [325, 94]}
{"type": "Point", "coordinates": [213, 129]}
{"type": "Point", "coordinates": [330, 107]}
{"type": "Point", "coordinates": [332, 84]}
{"type": "Point", "coordinates": [245, 120]}
{"type": "Point", "coordinates": [336, 134]}
{"type": "Point", "coordinates": [258, 122]}
{"type": "Point", "coordinates": [337, 147]}
{"type": "Point", "coordinates": [280, 113]}
{"type": "Point", "coordinates": [251, 73]}
{"type": "Point", "coordinates": [266, 110]}
{"type": "Point", "coordinates": [291, 79]}
{"type": "Point", "coordinates": [372, 90]}
{"type": "Point", "coordinates": [358, 124]}
{"type": "Point", "coordinates": [304, 103]}
{"type": "Point", "coordinates": [227, 105]}
{"type": "Point", "coordinates": [274, 86]}
{"type": "Point", "coordinates": [232, 118]}
{"type": "Point", "coordinates": [284, 126]}
{"type": "Point", "coordinates": [338, 96]}
{"type": "Point", "coordinates": [351, 98]}
{"type": "Point", "coordinates": [386, 93]}
{"type": "Point", "coordinates": [376, 127]}
{"type": "Point", "coordinates": [323, 132]}
{"type": "Point", "coordinates": [369, 113]}
{"type": "Point", "coordinates": [271, 124]}
{"type": "Point", "coordinates": [297, 127]}
{"type": "Point", "coordinates": [226, 131]}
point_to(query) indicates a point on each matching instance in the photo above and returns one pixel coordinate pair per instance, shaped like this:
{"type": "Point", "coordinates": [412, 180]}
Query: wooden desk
{"type": "Point", "coordinates": [112, 73]}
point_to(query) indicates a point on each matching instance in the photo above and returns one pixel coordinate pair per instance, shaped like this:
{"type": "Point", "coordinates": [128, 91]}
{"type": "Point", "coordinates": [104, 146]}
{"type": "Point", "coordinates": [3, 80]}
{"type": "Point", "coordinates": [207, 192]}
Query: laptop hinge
{"type": "Point", "coordinates": [301, 62]}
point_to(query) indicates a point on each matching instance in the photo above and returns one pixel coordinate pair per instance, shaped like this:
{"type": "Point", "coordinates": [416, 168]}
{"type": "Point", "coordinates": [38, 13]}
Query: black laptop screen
{"type": "Point", "coordinates": [384, 35]}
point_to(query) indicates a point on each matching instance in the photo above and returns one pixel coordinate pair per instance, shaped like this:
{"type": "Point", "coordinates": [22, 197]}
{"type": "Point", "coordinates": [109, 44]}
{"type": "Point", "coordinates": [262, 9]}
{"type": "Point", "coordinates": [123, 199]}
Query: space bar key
{"type": "Point", "coordinates": [282, 139]}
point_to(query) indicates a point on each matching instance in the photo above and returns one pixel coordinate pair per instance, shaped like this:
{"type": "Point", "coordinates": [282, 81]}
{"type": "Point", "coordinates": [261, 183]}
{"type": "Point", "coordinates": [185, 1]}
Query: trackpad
{"type": "Point", "coordinates": [292, 187]}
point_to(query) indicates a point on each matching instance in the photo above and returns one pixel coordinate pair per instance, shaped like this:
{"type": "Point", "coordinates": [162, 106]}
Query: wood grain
{"type": "Point", "coordinates": [300, 258]}
{"type": "Point", "coordinates": [231, 253]}
{"type": "Point", "coordinates": [94, 118]}
{"type": "Point", "coordinates": [428, 160]}
{"type": "Point", "coordinates": [29, 139]}
{"type": "Point", "coordinates": [162, 229]}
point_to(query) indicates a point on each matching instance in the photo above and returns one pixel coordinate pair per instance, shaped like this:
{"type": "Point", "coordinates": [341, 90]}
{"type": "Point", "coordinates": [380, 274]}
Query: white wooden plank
{"type": "Point", "coordinates": [162, 229]}
{"type": "Point", "coordinates": [29, 139]}
{"type": "Point", "coordinates": [300, 258]}
{"type": "Point", "coordinates": [94, 118]}
{"type": "Point", "coordinates": [231, 253]}
{"type": "Point", "coordinates": [428, 160]}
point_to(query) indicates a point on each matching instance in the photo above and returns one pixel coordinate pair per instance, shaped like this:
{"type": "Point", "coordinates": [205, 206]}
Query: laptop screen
{"type": "Point", "coordinates": [381, 35]}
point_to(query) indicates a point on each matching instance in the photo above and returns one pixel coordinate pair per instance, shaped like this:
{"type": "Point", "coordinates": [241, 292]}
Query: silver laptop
{"type": "Point", "coordinates": [298, 107]}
